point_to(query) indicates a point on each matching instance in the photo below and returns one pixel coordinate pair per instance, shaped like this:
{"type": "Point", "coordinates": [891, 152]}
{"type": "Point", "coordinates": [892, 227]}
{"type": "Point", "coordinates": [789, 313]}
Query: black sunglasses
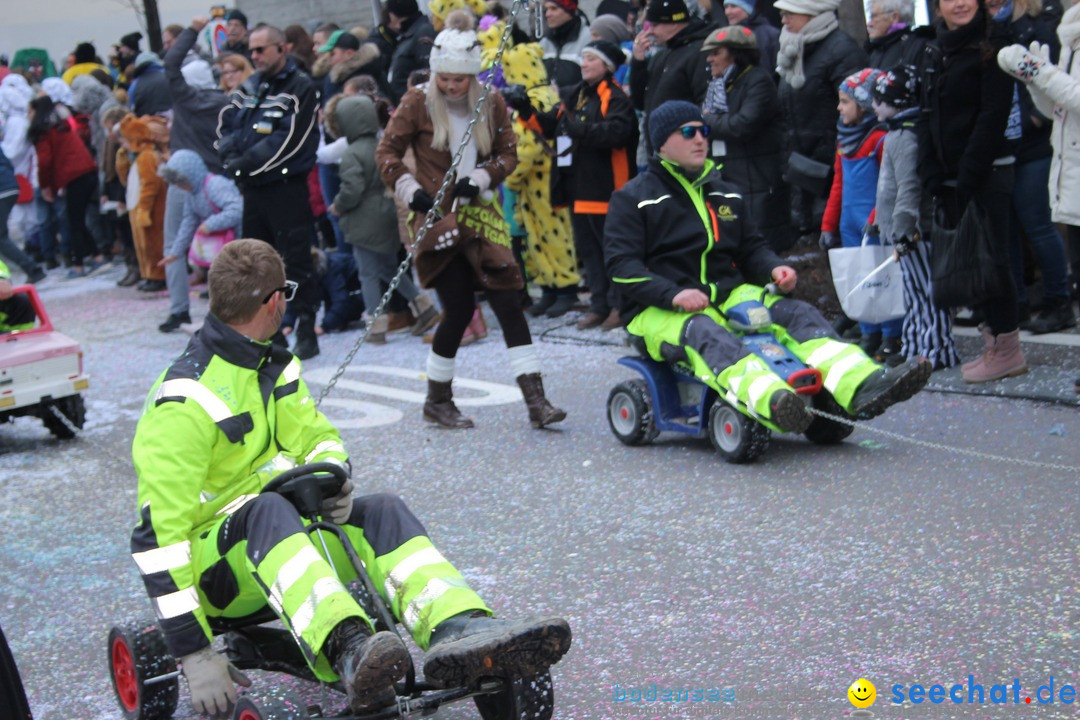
{"type": "Point", "coordinates": [259, 49]}
{"type": "Point", "coordinates": [689, 130]}
{"type": "Point", "coordinates": [289, 288]}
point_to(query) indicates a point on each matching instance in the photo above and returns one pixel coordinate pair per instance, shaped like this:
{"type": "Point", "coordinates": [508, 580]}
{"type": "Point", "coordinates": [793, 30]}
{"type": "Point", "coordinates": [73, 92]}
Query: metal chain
{"type": "Point", "coordinates": [939, 446]}
{"type": "Point", "coordinates": [432, 215]}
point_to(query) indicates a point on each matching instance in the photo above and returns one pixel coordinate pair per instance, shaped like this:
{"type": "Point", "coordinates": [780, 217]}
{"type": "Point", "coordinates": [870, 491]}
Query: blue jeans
{"type": "Point", "coordinates": [1031, 212]}
{"type": "Point", "coordinates": [52, 220]}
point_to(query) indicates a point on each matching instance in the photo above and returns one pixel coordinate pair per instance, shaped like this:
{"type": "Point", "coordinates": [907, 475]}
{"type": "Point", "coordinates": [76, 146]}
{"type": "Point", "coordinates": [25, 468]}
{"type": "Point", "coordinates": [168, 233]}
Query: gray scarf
{"type": "Point", "coordinates": [789, 60]}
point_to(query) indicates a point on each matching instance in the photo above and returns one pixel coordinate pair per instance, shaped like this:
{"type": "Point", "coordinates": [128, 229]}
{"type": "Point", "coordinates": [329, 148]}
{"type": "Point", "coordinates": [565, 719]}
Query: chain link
{"type": "Point", "coordinates": [939, 446]}
{"type": "Point", "coordinates": [432, 215]}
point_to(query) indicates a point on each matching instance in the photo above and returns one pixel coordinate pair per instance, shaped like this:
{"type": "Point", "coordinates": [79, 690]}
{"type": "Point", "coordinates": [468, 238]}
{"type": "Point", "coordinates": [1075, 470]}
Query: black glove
{"type": "Point", "coordinates": [466, 188]}
{"type": "Point", "coordinates": [574, 127]}
{"type": "Point", "coordinates": [421, 202]}
{"type": "Point", "coordinates": [518, 99]}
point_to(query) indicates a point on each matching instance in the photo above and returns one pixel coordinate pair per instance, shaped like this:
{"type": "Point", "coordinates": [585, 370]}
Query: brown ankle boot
{"type": "Point", "coordinates": [541, 412]}
{"type": "Point", "coordinates": [1001, 359]}
{"type": "Point", "coordinates": [439, 408]}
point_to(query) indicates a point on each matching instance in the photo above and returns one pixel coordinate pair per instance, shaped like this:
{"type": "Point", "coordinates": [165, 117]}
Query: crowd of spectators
{"type": "Point", "coordinates": [152, 161]}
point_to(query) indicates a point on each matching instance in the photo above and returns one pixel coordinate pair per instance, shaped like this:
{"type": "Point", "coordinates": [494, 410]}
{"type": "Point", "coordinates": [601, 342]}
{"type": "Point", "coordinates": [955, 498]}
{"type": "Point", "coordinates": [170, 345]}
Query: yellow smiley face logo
{"type": "Point", "coordinates": [862, 693]}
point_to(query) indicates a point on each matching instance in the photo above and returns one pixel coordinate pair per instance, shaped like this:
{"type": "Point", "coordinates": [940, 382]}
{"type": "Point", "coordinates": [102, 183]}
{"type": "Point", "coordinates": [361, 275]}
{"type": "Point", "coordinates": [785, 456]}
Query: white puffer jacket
{"type": "Point", "coordinates": [1057, 95]}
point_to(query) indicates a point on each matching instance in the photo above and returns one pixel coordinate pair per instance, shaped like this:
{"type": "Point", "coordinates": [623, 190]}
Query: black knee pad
{"type": "Point", "coordinates": [718, 347]}
{"type": "Point", "coordinates": [387, 521]}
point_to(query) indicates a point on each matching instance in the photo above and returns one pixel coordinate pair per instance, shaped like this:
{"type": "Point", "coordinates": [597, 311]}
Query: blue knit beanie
{"type": "Point", "coordinates": [669, 117]}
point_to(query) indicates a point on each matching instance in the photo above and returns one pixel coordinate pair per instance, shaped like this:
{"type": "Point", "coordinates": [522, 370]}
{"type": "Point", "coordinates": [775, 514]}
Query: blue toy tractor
{"type": "Point", "coordinates": [668, 398]}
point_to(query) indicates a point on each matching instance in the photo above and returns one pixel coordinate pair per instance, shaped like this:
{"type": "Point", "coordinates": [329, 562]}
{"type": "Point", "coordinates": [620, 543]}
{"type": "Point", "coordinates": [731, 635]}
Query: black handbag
{"type": "Point", "coordinates": [963, 268]}
{"type": "Point", "coordinates": [809, 175]}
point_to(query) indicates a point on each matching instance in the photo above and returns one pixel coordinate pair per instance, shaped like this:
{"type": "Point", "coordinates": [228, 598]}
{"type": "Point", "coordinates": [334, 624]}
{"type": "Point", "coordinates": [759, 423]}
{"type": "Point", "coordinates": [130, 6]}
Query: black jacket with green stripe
{"type": "Point", "coordinates": [666, 232]}
{"type": "Point", "coordinates": [224, 419]}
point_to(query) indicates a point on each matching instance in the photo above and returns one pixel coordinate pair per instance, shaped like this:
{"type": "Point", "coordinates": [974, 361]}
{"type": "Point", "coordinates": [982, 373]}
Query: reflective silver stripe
{"type": "Point", "coordinates": [176, 604]}
{"type": "Point", "coordinates": [433, 590]}
{"type": "Point", "coordinates": [401, 572]}
{"type": "Point", "coordinates": [163, 558]}
{"type": "Point", "coordinates": [732, 399]}
{"type": "Point", "coordinates": [277, 464]}
{"type": "Point", "coordinates": [657, 201]}
{"type": "Point", "coordinates": [323, 447]}
{"type": "Point", "coordinates": [214, 406]}
{"type": "Point", "coordinates": [837, 371]}
{"type": "Point", "coordinates": [758, 388]}
{"type": "Point", "coordinates": [322, 589]}
{"type": "Point", "coordinates": [293, 569]}
{"type": "Point", "coordinates": [236, 504]}
{"type": "Point", "coordinates": [292, 371]}
{"type": "Point", "coordinates": [826, 353]}
{"type": "Point", "coordinates": [727, 195]}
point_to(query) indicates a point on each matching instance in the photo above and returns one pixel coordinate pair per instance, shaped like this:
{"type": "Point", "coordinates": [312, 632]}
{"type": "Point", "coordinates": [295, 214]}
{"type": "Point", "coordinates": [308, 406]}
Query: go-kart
{"type": "Point", "coordinates": [41, 373]}
{"type": "Point", "coordinates": [669, 398]}
{"type": "Point", "coordinates": [146, 678]}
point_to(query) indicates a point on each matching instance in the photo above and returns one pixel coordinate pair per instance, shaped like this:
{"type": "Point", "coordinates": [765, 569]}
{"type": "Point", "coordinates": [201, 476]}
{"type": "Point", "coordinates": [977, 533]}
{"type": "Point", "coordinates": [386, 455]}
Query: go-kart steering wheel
{"type": "Point", "coordinates": [306, 486]}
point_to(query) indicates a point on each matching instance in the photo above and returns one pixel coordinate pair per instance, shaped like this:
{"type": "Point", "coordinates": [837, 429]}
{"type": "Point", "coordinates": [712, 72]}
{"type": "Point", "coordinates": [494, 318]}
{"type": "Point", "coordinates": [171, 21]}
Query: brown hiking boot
{"type": "Point", "coordinates": [541, 412]}
{"type": "Point", "coordinates": [439, 407]}
{"type": "Point", "coordinates": [788, 412]}
{"type": "Point", "coordinates": [889, 386]}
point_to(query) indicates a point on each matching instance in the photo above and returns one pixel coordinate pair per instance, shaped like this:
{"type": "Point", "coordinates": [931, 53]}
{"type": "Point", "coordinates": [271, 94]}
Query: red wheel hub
{"type": "Point", "coordinates": [123, 668]}
{"type": "Point", "coordinates": [728, 429]}
{"type": "Point", "coordinates": [248, 715]}
{"type": "Point", "coordinates": [624, 413]}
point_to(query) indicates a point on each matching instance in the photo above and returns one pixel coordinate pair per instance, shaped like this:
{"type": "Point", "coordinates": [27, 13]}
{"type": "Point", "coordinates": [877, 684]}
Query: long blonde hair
{"type": "Point", "coordinates": [437, 107]}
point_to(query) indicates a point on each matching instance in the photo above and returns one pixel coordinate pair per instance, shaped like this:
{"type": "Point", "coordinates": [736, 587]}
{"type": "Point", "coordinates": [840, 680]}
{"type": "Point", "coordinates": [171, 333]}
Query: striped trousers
{"type": "Point", "coordinates": [927, 329]}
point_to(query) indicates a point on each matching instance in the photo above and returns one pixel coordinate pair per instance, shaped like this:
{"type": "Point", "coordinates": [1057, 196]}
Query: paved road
{"type": "Point", "coordinates": [776, 584]}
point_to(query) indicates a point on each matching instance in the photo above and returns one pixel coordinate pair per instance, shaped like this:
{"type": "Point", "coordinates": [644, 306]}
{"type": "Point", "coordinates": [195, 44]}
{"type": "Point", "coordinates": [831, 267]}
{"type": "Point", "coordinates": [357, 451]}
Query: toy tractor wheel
{"type": "Point", "coordinates": [737, 437]}
{"type": "Point", "coordinates": [73, 408]}
{"type": "Point", "coordinates": [531, 698]}
{"type": "Point", "coordinates": [823, 430]}
{"type": "Point", "coordinates": [281, 707]}
{"type": "Point", "coordinates": [136, 654]}
{"type": "Point", "coordinates": [630, 413]}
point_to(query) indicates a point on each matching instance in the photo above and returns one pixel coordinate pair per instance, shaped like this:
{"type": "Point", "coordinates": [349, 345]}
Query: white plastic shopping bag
{"type": "Point", "coordinates": [868, 281]}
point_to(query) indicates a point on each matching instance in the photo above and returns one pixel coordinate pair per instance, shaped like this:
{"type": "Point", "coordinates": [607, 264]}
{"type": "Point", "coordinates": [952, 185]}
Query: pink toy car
{"type": "Point", "coordinates": [41, 374]}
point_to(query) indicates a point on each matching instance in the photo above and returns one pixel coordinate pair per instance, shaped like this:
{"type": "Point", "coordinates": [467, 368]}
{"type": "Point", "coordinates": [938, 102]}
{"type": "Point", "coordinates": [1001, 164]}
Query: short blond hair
{"type": "Point", "coordinates": [242, 274]}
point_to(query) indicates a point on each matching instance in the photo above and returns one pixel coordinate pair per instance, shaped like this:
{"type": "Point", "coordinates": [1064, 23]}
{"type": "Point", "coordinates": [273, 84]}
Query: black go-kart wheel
{"type": "Point", "coordinates": [825, 431]}
{"type": "Point", "coordinates": [136, 654]}
{"type": "Point", "coordinates": [738, 438]}
{"type": "Point", "coordinates": [281, 707]}
{"type": "Point", "coordinates": [630, 413]}
{"type": "Point", "coordinates": [73, 408]}
{"type": "Point", "coordinates": [531, 698]}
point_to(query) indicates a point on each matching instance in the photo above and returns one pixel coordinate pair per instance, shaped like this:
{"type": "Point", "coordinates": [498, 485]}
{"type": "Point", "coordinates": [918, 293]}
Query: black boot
{"type": "Point", "coordinates": [174, 321]}
{"type": "Point", "coordinates": [788, 412]}
{"type": "Point", "coordinates": [541, 412]}
{"type": "Point", "coordinates": [369, 664]}
{"type": "Point", "coordinates": [440, 409]}
{"type": "Point", "coordinates": [547, 299]}
{"type": "Point", "coordinates": [889, 386]}
{"type": "Point", "coordinates": [307, 343]}
{"type": "Point", "coordinates": [472, 645]}
{"type": "Point", "coordinates": [565, 299]}
{"type": "Point", "coordinates": [1056, 315]}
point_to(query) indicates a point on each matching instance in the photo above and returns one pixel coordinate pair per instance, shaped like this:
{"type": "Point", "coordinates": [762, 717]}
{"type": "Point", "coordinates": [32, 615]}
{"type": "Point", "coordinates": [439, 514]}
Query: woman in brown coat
{"type": "Point", "coordinates": [469, 249]}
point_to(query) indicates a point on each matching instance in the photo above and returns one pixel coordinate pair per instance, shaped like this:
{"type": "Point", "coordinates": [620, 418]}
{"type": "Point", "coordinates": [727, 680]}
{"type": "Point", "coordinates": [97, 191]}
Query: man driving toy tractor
{"type": "Point", "coordinates": [681, 250]}
{"type": "Point", "coordinates": [226, 417]}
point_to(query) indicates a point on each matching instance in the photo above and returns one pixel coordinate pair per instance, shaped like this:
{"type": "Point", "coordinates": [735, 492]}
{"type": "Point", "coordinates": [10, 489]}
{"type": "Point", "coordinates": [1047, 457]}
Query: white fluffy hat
{"type": "Point", "coordinates": [456, 49]}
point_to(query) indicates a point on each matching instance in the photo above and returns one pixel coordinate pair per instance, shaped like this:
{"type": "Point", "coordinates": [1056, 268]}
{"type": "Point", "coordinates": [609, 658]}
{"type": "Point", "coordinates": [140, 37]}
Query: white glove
{"type": "Point", "coordinates": [1041, 51]}
{"type": "Point", "coordinates": [338, 508]}
{"type": "Point", "coordinates": [210, 680]}
{"type": "Point", "coordinates": [1016, 60]}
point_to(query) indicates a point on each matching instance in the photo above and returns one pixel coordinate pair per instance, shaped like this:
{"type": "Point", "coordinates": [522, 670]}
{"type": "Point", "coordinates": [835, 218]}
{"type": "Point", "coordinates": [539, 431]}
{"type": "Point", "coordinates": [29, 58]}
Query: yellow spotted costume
{"type": "Point", "coordinates": [550, 258]}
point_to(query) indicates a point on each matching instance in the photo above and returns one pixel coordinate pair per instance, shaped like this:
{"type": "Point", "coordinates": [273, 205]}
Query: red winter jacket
{"type": "Point", "coordinates": [62, 157]}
